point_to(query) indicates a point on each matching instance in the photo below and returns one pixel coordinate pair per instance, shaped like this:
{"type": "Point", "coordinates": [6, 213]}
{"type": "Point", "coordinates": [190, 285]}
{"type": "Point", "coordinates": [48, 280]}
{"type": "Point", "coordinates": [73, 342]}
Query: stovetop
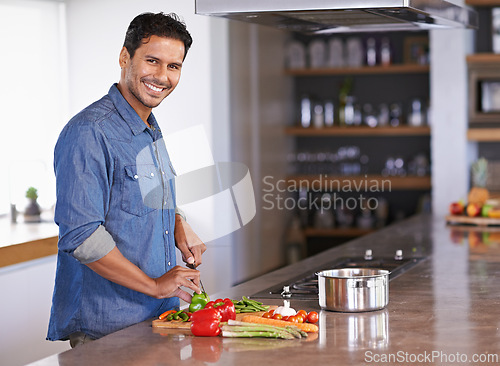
{"type": "Point", "coordinates": [305, 286]}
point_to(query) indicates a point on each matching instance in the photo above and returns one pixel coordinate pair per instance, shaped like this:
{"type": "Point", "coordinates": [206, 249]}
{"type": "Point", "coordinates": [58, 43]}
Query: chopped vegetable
{"type": "Point", "coordinates": [206, 322]}
{"type": "Point", "coordinates": [306, 327]}
{"type": "Point", "coordinates": [164, 315]}
{"type": "Point", "coordinates": [198, 301]}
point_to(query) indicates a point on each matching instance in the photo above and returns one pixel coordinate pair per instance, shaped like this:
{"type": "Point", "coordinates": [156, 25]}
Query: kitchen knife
{"type": "Point", "coordinates": [201, 283]}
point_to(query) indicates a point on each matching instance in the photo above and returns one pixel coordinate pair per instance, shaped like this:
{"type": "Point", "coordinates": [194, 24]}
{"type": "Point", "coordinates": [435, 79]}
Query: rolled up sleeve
{"type": "Point", "coordinates": [181, 213]}
{"type": "Point", "coordinates": [95, 246]}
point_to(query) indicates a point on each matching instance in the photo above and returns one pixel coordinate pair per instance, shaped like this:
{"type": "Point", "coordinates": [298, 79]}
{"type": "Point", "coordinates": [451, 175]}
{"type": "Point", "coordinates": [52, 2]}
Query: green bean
{"type": "Point", "coordinates": [184, 316]}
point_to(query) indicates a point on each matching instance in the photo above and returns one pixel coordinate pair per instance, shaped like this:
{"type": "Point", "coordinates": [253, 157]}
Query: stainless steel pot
{"type": "Point", "coordinates": [353, 289]}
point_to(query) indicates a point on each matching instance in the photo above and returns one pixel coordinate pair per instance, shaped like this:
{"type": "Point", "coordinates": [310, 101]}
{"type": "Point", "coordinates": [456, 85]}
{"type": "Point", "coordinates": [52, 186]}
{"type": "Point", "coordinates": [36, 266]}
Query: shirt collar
{"type": "Point", "coordinates": [129, 115]}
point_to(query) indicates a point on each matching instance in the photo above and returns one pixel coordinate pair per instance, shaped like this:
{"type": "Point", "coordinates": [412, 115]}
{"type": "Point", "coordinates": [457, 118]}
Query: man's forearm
{"type": "Point", "coordinates": [116, 268]}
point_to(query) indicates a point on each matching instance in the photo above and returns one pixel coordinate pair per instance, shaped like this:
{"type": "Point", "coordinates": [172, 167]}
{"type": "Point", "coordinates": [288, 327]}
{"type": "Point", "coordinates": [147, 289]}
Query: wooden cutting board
{"type": "Point", "coordinates": [466, 220]}
{"type": "Point", "coordinates": [177, 324]}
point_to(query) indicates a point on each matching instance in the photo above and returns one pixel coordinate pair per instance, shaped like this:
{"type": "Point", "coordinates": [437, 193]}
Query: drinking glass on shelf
{"type": "Point", "coordinates": [370, 117]}
{"type": "Point", "coordinates": [399, 166]}
{"type": "Point", "coordinates": [395, 112]}
{"type": "Point", "coordinates": [383, 114]}
{"type": "Point", "coordinates": [332, 163]}
{"type": "Point", "coordinates": [389, 169]}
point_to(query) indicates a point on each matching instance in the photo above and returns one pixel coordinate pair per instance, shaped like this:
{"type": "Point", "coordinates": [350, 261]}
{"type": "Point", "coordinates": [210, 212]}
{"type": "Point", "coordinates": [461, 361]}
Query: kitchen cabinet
{"type": "Point", "coordinates": [315, 162]}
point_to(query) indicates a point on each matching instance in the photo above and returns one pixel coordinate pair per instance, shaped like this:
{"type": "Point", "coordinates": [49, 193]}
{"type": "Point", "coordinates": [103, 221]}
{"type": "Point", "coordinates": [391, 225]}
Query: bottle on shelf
{"type": "Point", "coordinates": [371, 52]}
{"type": "Point", "coordinates": [385, 52]}
{"type": "Point", "coordinates": [329, 112]}
{"type": "Point", "coordinates": [318, 115]}
{"type": "Point", "coordinates": [305, 111]}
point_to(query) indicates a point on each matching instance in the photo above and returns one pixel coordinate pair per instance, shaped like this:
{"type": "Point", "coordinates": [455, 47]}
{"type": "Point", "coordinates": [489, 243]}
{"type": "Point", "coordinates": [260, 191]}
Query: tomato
{"type": "Point", "coordinates": [294, 319]}
{"type": "Point", "coordinates": [312, 317]}
{"type": "Point", "coordinates": [299, 318]}
{"type": "Point", "coordinates": [286, 318]}
{"type": "Point", "coordinates": [267, 315]}
{"type": "Point", "coordinates": [277, 316]}
{"type": "Point", "coordinates": [271, 311]}
{"type": "Point", "coordinates": [303, 314]}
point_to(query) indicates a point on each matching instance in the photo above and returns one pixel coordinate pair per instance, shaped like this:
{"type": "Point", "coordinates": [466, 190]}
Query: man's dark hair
{"type": "Point", "coordinates": [146, 25]}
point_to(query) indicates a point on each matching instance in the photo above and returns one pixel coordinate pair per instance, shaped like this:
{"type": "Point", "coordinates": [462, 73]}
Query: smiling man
{"type": "Point", "coordinates": [116, 212]}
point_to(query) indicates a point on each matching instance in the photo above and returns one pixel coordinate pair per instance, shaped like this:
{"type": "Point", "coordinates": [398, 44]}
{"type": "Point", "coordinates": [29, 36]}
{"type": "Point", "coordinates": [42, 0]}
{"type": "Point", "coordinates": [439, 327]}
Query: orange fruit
{"type": "Point", "coordinates": [494, 213]}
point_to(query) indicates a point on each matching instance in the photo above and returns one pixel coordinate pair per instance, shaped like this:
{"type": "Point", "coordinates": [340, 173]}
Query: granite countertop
{"type": "Point", "coordinates": [445, 310]}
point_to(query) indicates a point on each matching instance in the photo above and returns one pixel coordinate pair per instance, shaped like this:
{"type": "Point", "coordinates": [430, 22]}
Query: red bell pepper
{"type": "Point", "coordinates": [210, 305]}
{"type": "Point", "coordinates": [205, 322]}
{"type": "Point", "coordinates": [227, 310]}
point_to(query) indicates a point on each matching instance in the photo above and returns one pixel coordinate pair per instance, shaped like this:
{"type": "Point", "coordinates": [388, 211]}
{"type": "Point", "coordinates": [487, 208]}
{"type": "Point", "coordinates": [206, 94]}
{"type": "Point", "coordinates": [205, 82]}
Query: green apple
{"type": "Point", "coordinates": [485, 210]}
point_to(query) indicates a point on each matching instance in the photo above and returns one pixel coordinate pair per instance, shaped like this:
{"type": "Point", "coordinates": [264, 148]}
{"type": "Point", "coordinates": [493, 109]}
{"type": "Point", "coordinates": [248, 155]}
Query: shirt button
{"type": "Point", "coordinates": [166, 232]}
{"type": "Point", "coordinates": [136, 176]}
{"type": "Point", "coordinates": [152, 174]}
{"type": "Point", "coordinates": [168, 263]}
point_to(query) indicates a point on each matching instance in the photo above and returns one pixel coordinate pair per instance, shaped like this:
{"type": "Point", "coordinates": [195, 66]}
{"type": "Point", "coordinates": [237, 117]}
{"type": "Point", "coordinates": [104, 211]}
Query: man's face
{"type": "Point", "coordinates": [152, 74]}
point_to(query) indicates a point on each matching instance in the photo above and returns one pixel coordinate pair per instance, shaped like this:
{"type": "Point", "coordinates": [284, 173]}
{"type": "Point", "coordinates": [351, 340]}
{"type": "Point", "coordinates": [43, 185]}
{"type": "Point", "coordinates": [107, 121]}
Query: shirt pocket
{"type": "Point", "coordinates": [141, 192]}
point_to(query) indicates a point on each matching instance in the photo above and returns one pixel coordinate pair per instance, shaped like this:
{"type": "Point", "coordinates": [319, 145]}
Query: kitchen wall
{"type": "Point", "coordinates": [261, 105]}
{"type": "Point", "coordinates": [451, 153]}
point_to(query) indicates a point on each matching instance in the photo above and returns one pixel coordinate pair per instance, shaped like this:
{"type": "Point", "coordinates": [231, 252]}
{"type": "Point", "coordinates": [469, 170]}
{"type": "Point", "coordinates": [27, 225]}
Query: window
{"type": "Point", "coordinates": [33, 97]}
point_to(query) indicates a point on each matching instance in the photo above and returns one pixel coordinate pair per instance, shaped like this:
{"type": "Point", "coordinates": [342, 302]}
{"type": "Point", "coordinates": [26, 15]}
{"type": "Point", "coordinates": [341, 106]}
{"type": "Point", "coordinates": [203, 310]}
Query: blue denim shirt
{"type": "Point", "coordinates": [115, 187]}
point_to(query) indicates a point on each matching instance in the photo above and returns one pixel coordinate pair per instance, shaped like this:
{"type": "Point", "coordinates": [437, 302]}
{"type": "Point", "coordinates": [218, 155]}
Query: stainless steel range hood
{"type": "Point", "coordinates": [334, 16]}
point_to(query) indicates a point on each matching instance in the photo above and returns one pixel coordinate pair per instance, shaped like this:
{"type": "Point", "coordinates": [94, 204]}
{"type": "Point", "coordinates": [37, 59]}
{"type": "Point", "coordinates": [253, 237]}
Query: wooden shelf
{"type": "Point", "coordinates": [483, 134]}
{"type": "Point", "coordinates": [359, 131]}
{"type": "Point", "coordinates": [361, 184]}
{"type": "Point", "coordinates": [483, 58]}
{"type": "Point", "coordinates": [482, 2]}
{"type": "Point", "coordinates": [339, 232]}
{"type": "Point", "coordinates": [364, 70]}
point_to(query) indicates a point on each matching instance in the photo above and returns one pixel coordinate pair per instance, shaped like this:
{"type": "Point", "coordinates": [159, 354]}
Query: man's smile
{"type": "Point", "coordinates": [154, 88]}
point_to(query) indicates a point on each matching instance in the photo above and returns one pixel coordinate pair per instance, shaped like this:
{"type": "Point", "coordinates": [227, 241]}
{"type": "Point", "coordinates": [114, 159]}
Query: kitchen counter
{"type": "Point", "coordinates": [445, 310]}
{"type": "Point", "coordinates": [25, 241]}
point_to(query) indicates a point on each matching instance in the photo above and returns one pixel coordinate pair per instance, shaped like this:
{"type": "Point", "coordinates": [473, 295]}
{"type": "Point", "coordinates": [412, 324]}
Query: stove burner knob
{"type": "Point", "coordinates": [286, 292]}
{"type": "Point", "coordinates": [368, 255]}
{"type": "Point", "coordinates": [399, 255]}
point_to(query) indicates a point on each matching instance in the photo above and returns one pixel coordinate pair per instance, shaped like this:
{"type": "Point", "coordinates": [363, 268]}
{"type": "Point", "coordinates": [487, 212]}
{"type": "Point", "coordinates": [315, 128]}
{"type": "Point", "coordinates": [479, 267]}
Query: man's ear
{"type": "Point", "coordinates": [124, 57]}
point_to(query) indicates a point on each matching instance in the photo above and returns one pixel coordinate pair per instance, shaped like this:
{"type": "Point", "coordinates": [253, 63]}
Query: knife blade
{"type": "Point", "coordinates": [192, 266]}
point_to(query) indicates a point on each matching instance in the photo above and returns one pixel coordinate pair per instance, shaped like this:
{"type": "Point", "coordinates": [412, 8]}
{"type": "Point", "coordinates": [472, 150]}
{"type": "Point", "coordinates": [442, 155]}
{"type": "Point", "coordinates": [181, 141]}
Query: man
{"type": "Point", "coordinates": [118, 225]}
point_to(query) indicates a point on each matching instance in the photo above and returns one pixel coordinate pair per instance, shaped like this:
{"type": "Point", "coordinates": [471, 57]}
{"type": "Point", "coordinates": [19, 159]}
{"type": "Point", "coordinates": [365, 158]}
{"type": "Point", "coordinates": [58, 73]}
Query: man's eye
{"type": "Point", "coordinates": [175, 67]}
{"type": "Point", "coordinates": [152, 61]}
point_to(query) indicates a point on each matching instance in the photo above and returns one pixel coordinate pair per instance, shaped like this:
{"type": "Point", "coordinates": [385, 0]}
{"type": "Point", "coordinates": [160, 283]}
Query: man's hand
{"type": "Point", "coordinates": [169, 285]}
{"type": "Point", "coordinates": [188, 242]}
{"type": "Point", "coordinates": [118, 269]}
